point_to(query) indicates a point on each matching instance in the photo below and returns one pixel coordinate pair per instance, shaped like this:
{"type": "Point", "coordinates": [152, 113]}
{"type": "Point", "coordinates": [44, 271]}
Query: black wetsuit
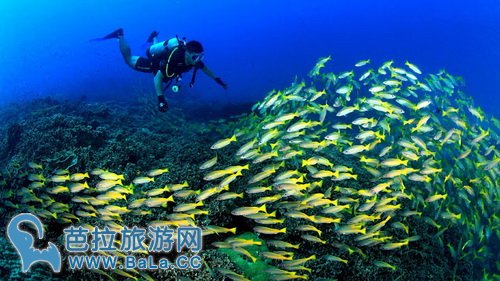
{"type": "Point", "coordinates": [176, 63]}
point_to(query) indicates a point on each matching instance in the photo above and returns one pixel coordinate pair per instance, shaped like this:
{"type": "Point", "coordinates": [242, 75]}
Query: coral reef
{"type": "Point", "coordinates": [310, 192]}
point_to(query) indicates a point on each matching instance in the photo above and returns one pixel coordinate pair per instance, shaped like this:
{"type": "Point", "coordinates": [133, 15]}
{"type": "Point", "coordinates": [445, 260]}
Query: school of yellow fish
{"type": "Point", "coordinates": [343, 161]}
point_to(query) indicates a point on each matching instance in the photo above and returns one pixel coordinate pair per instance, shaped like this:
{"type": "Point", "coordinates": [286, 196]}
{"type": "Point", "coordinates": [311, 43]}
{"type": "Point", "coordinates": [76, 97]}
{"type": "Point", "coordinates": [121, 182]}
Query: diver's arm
{"type": "Point", "coordinates": [162, 102]}
{"type": "Point", "coordinates": [210, 74]}
{"type": "Point", "coordinates": [158, 83]}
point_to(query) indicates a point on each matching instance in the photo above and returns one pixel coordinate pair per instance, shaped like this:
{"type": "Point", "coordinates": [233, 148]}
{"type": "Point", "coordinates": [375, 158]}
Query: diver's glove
{"type": "Point", "coordinates": [162, 103]}
{"type": "Point", "coordinates": [220, 82]}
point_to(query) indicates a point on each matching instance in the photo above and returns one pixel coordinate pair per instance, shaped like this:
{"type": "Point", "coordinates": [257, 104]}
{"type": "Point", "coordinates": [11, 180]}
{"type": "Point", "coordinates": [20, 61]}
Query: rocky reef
{"type": "Point", "coordinates": [369, 175]}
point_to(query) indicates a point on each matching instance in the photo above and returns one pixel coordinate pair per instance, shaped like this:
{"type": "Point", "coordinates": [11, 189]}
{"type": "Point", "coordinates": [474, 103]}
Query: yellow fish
{"type": "Point", "coordinates": [178, 186]}
{"type": "Point", "coordinates": [223, 143]}
{"type": "Point", "coordinates": [335, 258]}
{"type": "Point", "coordinates": [232, 275]}
{"type": "Point", "coordinates": [239, 242]}
{"type": "Point", "coordinates": [270, 220]}
{"type": "Point", "coordinates": [298, 261]}
{"type": "Point", "coordinates": [187, 206]}
{"type": "Point", "coordinates": [268, 230]}
{"type": "Point", "coordinates": [355, 149]}
{"type": "Point", "coordinates": [262, 175]}
{"type": "Point", "coordinates": [107, 184]}
{"type": "Point", "coordinates": [377, 88]}
{"type": "Point", "coordinates": [117, 209]}
{"type": "Point", "coordinates": [312, 238]}
{"type": "Point", "coordinates": [245, 253]}
{"type": "Point", "coordinates": [320, 219]}
{"type": "Point", "coordinates": [362, 62]}
{"type": "Point", "coordinates": [435, 197]}
{"type": "Point", "coordinates": [326, 173]}
{"type": "Point", "coordinates": [216, 174]}
{"type": "Point", "coordinates": [320, 64]}
{"type": "Point", "coordinates": [422, 104]}
{"type": "Point", "coordinates": [476, 112]}
{"type": "Point", "coordinates": [307, 227]}
{"type": "Point", "coordinates": [59, 178]}
{"type": "Point", "coordinates": [258, 189]}
{"type": "Point", "coordinates": [112, 195]}
{"type": "Point", "coordinates": [137, 203]}
{"type": "Point", "coordinates": [158, 201]}
{"type": "Point", "coordinates": [395, 245]}
{"type": "Point", "coordinates": [275, 256]}
{"type": "Point", "coordinates": [36, 184]}
{"type": "Point", "coordinates": [209, 192]}
{"type": "Point", "coordinates": [59, 189]}
{"type": "Point", "coordinates": [384, 264]}
{"type": "Point", "coordinates": [346, 89]}
{"type": "Point", "coordinates": [347, 110]}
{"type": "Point", "coordinates": [413, 67]}
{"type": "Point", "coordinates": [268, 199]}
{"type": "Point", "coordinates": [243, 211]}
{"type": "Point", "coordinates": [209, 163]}
{"type": "Point", "coordinates": [301, 124]}
{"type": "Point", "coordinates": [351, 229]}
{"type": "Point", "coordinates": [35, 166]}
{"type": "Point", "coordinates": [282, 244]}
{"type": "Point", "coordinates": [157, 172]}
{"type": "Point", "coordinates": [111, 176]}
{"type": "Point", "coordinates": [143, 180]}
{"type": "Point", "coordinates": [229, 179]}
{"type": "Point", "coordinates": [286, 117]}
{"type": "Point", "coordinates": [79, 176]}
{"type": "Point", "coordinates": [219, 229]}
{"type": "Point", "coordinates": [76, 187]}
{"type": "Point", "coordinates": [157, 191]}
{"type": "Point", "coordinates": [387, 208]}
{"type": "Point", "coordinates": [244, 148]}
{"type": "Point", "coordinates": [36, 177]}
{"type": "Point", "coordinates": [186, 193]}
{"type": "Point", "coordinates": [393, 162]}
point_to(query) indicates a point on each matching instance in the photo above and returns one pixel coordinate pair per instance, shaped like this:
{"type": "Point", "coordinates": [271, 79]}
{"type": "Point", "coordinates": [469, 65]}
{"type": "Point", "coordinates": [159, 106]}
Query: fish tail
{"type": "Point", "coordinates": [263, 208]}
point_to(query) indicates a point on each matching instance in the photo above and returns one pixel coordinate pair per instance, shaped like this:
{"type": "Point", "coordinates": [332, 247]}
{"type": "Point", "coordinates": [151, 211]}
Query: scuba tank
{"type": "Point", "coordinates": [157, 50]}
{"type": "Point", "coordinates": [175, 42]}
{"type": "Point", "coordinates": [162, 48]}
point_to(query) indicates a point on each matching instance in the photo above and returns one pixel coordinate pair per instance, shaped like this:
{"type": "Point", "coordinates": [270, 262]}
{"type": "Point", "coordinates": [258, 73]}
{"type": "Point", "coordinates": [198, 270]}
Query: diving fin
{"type": "Point", "coordinates": [152, 36]}
{"type": "Point", "coordinates": [115, 34]}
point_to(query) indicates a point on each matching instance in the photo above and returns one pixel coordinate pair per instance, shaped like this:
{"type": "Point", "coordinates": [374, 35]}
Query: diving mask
{"type": "Point", "coordinates": [196, 57]}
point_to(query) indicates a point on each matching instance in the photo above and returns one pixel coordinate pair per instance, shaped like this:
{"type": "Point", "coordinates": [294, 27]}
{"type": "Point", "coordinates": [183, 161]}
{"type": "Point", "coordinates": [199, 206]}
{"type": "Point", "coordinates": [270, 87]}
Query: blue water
{"type": "Point", "coordinates": [254, 46]}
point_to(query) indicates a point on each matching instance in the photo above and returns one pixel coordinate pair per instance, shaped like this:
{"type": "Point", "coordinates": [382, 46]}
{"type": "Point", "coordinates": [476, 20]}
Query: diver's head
{"type": "Point", "coordinates": [194, 52]}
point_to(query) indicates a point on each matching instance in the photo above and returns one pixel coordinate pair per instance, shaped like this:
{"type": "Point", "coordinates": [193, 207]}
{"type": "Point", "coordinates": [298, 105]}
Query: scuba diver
{"type": "Point", "coordinates": [167, 60]}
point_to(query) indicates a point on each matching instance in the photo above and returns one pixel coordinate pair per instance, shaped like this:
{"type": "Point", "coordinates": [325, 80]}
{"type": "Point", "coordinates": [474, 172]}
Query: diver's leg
{"type": "Point", "coordinates": [127, 52]}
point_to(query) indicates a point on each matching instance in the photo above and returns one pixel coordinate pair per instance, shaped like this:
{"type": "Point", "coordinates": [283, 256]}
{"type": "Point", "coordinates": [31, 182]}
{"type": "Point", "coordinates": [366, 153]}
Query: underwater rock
{"type": "Point", "coordinates": [13, 136]}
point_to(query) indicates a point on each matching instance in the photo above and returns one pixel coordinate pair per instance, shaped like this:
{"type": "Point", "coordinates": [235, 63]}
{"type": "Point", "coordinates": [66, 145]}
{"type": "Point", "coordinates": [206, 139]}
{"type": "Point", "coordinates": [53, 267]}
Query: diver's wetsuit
{"type": "Point", "coordinates": [150, 64]}
{"type": "Point", "coordinates": [176, 65]}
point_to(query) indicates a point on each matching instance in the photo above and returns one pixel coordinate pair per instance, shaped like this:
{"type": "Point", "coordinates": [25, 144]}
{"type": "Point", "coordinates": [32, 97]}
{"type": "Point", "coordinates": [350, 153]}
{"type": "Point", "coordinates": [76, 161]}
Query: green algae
{"type": "Point", "coordinates": [255, 271]}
